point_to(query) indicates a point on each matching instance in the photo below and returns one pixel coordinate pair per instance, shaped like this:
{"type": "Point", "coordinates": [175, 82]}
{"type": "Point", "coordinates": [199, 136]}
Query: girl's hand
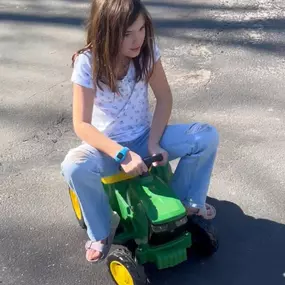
{"type": "Point", "coordinates": [156, 149]}
{"type": "Point", "coordinates": [133, 164]}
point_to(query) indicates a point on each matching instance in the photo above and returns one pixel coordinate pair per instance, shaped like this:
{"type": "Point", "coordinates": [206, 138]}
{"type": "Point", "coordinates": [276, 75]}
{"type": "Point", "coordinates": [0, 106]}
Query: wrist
{"type": "Point", "coordinates": [153, 142]}
{"type": "Point", "coordinates": [153, 146]}
{"type": "Point", "coordinates": [121, 155]}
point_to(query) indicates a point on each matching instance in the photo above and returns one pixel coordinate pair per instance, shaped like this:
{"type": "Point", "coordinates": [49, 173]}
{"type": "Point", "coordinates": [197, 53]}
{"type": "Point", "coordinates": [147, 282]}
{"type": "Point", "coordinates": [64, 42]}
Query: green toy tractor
{"type": "Point", "coordinates": [154, 227]}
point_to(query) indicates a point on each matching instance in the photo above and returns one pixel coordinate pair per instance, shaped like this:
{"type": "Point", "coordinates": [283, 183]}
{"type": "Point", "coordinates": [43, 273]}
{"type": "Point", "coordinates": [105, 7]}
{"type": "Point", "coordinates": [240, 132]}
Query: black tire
{"type": "Point", "coordinates": [77, 208]}
{"type": "Point", "coordinates": [123, 257]}
{"type": "Point", "coordinates": [204, 236]}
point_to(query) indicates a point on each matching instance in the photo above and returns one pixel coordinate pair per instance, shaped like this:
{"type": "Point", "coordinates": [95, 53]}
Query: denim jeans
{"type": "Point", "coordinates": [195, 144]}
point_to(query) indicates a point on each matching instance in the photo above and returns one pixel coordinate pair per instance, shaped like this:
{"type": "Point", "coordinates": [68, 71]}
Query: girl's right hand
{"type": "Point", "coordinates": [133, 164]}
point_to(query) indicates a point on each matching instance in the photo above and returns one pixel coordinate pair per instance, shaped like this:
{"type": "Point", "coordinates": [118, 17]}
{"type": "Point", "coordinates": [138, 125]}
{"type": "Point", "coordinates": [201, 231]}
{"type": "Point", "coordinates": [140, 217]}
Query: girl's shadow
{"type": "Point", "coordinates": [252, 251]}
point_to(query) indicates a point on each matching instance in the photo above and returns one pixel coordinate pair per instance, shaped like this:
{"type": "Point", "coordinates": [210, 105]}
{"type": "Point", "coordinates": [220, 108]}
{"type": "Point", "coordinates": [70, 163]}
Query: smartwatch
{"type": "Point", "coordinates": [121, 155]}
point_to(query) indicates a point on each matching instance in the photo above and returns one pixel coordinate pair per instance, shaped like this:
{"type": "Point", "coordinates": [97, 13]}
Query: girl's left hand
{"type": "Point", "coordinates": [156, 149]}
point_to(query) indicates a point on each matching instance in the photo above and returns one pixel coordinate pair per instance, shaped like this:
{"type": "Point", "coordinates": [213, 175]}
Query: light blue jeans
{"type": "Point", "coordinates": [196, 144]}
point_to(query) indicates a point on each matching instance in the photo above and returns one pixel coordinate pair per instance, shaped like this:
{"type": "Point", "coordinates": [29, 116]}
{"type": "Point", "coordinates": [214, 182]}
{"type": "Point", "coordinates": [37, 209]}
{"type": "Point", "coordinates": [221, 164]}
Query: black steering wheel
{"type": "Point", "coordinates": [149, 160]}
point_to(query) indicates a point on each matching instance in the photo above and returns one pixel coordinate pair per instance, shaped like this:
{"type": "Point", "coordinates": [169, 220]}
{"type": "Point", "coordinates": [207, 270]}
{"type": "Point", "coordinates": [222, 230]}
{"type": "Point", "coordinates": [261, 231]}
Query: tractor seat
{"type": "Point", "coordinates": [119, 177]}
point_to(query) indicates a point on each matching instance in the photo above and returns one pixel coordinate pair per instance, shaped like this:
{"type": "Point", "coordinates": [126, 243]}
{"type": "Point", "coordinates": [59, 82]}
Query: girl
{"type": "Point", "coordinates": [111, 116]}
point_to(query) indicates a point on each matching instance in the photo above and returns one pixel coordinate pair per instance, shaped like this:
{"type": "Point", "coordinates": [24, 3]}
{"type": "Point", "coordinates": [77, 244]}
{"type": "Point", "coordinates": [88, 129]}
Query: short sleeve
{"type": "Point", "coordinates": [82, 71]}
{"type": "Point", "coordinates": [157, 54]}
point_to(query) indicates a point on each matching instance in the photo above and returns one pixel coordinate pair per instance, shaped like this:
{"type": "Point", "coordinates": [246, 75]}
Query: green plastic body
{"type": "Point", "coordinates": [145, 201]}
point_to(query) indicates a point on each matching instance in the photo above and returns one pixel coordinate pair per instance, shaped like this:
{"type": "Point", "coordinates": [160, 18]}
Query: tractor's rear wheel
{"type": "Point", "coordinates": [76, 208]}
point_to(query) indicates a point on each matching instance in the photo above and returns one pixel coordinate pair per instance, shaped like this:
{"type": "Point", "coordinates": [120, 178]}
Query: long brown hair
{"type": "Point", "coordinates": [106, 27]}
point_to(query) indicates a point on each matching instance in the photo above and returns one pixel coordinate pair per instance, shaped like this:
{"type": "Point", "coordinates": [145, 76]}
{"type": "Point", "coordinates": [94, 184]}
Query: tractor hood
{"type": "Point", "coordinates": [159, 201]}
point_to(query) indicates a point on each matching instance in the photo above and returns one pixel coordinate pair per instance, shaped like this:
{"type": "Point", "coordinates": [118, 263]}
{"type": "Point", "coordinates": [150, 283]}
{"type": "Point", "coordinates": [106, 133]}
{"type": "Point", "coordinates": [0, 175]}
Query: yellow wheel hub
{"type": "Point", "coordinates": [121, 274]}
{"type": "Point", "coordinates": [75, 204]}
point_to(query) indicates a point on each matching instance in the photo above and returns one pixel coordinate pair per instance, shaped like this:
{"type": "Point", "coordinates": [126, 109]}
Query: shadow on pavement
{"type": "Point", "coordinates": [175, 27]}
{"type": "Point", "coordinates": [251, 252]}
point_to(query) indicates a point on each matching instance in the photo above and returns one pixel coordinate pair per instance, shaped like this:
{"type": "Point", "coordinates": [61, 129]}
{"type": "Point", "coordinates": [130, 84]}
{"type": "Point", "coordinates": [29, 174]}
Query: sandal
{"type": "Point", "coordinates": [104, 247]}
{"type": "Point", "coordinates": [208, 213]}
{"type": "Point", "coordinates": [98, 246]}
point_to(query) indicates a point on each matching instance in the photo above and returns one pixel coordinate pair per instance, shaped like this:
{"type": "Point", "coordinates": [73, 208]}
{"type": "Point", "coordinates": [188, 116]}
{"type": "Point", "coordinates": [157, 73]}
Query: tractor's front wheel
{"type": "Point", "coordinates": [204, 236]}
{"type": "Point", "coordinates": [124, 269]}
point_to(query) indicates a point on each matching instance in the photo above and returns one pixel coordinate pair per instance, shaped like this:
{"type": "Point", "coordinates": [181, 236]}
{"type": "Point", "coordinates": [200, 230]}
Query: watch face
{"type": "Point", "coordinates": [120, 155]}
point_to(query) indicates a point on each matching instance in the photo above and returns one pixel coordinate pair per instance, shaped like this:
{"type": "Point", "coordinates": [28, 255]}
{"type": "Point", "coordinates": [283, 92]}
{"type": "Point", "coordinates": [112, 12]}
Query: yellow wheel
{"type": "Point", "coordinates": [124, 270]}
{"type": "Point", "coordinates": [77, 208]}
{"type": "Point", "coordinates": [120, 273]}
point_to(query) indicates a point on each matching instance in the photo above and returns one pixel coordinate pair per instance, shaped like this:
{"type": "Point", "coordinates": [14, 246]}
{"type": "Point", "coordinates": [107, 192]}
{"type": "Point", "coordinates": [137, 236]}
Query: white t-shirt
{"type": "Point", "coordinates": [122, 117]}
